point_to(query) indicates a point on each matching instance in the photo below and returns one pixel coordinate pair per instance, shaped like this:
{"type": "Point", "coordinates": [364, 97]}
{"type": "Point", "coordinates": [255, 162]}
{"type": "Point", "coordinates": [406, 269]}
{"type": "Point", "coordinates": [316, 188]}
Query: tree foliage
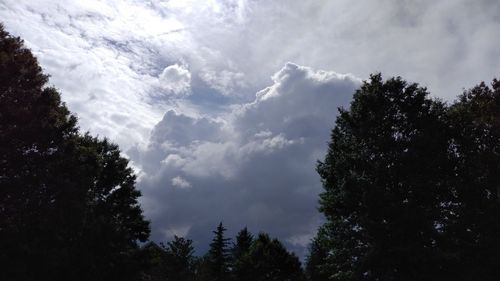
{"type": "Point", "coordinates": [410, 187]}
{"type": "Point", "coordinates": [474, 211]}
{"type": "Point", "coordinates": [180, 259]}
{"type": "Point", "coordinates": [268, 260]}
{"type": "Point", "coordinates": [315, 267]}
{"type": "Point", "coordinates": [244, 240]}
{"type": "Point", "coordinates": [68, 204]}
{"type": "Point", "coordinates": [218, 257]}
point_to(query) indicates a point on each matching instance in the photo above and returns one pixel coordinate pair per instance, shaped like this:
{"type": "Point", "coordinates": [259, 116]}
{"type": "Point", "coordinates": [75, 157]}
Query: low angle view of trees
{"type": "Point", "coordinates": [411, 191]}
{"type": "Point", "coordinates": [411, 187]}
{"type": "Point", "coordinates": [68, 203]}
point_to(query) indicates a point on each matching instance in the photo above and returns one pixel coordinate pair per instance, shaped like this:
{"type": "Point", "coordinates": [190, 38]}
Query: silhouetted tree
{"type": "Point", "coordinates": [315, 263]}
{"type": "Point", "coordinates": [218, 257]}
{"type": "Point", "coordinates": [385, 178]}
{"type": "Point", "coordinates": [473, 224]}
{"type": "Point", "coordinates": [243, 242]}
{"type": "Point", "coordinates": [180, 259]}
{"type": "Point", "coordinates": [268, 260]}
{"type": "Point", "coordinates": [68, 204]}
{"type": "Point", "coordinates": [240, 249]}
{"type": "Point", "coordinates": [202, 269]}
{"type": "Point", "coordinates": [156, 262]}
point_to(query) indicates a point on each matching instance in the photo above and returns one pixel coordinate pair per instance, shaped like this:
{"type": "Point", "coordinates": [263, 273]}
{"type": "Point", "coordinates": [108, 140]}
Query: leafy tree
{"type": "Point", "coordinates": [315, 262]}
{"type": "Point", "coordinates": [180, 259]}
{"type": "Point", "coordinates": [473, 226]}
{"type": "Point", "coordinates": [218, 256]}
{"type": "Point", "coordinates": [240, 249]}
{"type": "Point", "coordinates": [156, 260]}
{"type": "Point", "coordinates": [68, 204]}
{"type": "Point", "coordinates": [268, 260]}
{"type": "Point", "coordinates": [385, 178]}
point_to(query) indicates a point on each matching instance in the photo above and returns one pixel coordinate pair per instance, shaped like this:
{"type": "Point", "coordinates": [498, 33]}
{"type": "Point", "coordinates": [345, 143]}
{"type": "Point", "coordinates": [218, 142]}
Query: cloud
{"type": "Point", "coordinates": [130, 57]}
{"type": "Point", "coordinates": [180, 182]}
{"type": "Point", "coordinates": [254, 166]}
{"type": "Point", "coordinates": [174, 82]}
{"type": "Point", "coordinates": [175, 79]}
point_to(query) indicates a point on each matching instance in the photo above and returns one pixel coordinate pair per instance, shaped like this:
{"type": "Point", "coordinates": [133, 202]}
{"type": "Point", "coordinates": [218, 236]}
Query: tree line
{"type": "Point", "coordinates": [247, 258]}
{"type": "Point", "coordinates": [411, 192]}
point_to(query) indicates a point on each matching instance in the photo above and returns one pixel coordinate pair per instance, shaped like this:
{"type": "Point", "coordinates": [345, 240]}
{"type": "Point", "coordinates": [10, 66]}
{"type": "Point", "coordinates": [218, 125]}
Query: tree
{"type": "Point", "coordinates": [68, 204]}
{"type": "Point", "coordinates": [156, 260]}
{"type": "Point", "coordinates": [268, 260]}
{"type": "Point", "coordinates": [473, 226]}
{"type": "Point", "coordinates": [316, 259]}
{"type": "Point", "coordinates": [180, 259]}
{"type": "Point", "coordinates": [243, 242]}
{"type": "Point", "coordinates": [218, 256]}
{"type": "Point", "coordinates": [240, 249]}
{"type": "Point", "coordinates": [385, 177]}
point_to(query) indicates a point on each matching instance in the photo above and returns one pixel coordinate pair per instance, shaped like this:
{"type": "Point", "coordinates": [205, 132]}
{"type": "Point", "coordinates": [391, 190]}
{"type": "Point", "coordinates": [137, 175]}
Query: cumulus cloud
{"type": "Point", "coordinates": [256, 168]}
{"type": "Point", "coordinates": [129, 57]}
{"type": "Point", "coordinates": [174, 82]}
{"type": "Point", "coordinates": [175, 79]}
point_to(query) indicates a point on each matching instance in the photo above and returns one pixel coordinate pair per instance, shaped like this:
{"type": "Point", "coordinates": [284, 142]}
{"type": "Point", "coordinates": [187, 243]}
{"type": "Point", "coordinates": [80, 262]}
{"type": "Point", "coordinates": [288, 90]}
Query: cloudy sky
{"type": "Point", "coordinates": [224, 106]}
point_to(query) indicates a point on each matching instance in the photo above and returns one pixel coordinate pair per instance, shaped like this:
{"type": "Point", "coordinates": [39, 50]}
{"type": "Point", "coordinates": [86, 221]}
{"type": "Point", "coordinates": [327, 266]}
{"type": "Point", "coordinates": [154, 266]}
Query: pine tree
{"type": "Point", "coordinates": [180, 259]}
{"type": "Point", "coordinates": [240, 249]}
{"type": "Point", "coordinates": [268, 260]}
{"type": "Point", "coordinates": [218, 257]}
{"type": "Point", "coordinates": [243, 242]}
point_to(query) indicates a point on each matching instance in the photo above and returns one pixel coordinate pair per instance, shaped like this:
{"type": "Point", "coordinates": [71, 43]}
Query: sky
{"type": "Point", "coordinates": [224, 107]}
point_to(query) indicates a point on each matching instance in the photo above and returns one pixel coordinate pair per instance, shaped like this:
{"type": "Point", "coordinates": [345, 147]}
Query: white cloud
{"type": "Point", "coordinates": [112, 54]}
{"type": "Point", "coordinates": [176, 79]}
{"type": "Point", "coordinates": [122, 67]}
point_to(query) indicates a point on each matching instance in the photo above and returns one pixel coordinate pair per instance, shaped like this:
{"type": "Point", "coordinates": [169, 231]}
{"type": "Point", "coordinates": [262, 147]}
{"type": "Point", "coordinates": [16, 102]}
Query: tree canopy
{"type": "Point", "coordinates": [410, 191]}
{"type": "Point", "coordinates": [68, 202]}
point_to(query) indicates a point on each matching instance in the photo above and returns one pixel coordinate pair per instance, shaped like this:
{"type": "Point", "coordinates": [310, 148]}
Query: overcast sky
{"type": "Point", "coordinates": [224, 106]}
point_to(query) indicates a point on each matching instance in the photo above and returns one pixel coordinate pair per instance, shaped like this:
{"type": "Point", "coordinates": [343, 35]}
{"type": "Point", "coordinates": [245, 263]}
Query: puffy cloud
{"type": "Point", "coordinates": [254, 166]}
{"type": "Point", "coordinates": [175, 79]}
{"type": "Point", "coordinates": [112, 55]}
{"type": "Point", "coordinates": [122, 68]}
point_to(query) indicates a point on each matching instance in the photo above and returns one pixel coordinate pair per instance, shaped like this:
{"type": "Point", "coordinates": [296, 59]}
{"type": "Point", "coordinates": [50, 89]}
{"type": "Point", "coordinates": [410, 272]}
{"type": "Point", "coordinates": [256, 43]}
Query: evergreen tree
{"type": "Point", "coordinates": [240, 249]}
{"type": "Point", "coordinates": [218, 257]}
{"type": "Point", "coordinates": [202, 269]}
{"type": "Point", "coordinates": [315, 262]}
{"type": "Point", "coordinates": [180, 259]}
{"type": "Point", "coordinates": [156, 262]}
{"type": "Point", "coordinates": [68, 204]}
{"type": "Point", "coordinates": [243, 242]}
{"type": "Point", "coordinates": [385, 179]}
{"type": "Point", "coordinates": [268, 260]}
